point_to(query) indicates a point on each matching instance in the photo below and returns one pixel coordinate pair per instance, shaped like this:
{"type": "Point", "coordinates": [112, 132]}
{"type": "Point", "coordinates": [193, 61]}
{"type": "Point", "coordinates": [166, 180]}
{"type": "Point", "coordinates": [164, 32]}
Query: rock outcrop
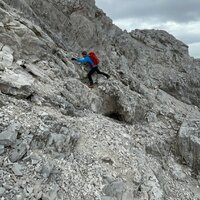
{"type": "Point", "coordinates": [188, 142]}
{"type": "Point", "coordinates": [133, 136]}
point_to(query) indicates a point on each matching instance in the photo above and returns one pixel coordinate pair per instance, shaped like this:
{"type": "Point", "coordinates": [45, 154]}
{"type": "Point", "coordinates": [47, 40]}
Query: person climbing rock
{"type": "Point", "coordinates": [93, 61]}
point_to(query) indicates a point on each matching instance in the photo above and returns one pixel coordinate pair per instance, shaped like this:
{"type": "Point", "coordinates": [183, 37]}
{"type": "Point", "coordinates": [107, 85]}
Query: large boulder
{"type": "Point", "coordinates": [16, 84]}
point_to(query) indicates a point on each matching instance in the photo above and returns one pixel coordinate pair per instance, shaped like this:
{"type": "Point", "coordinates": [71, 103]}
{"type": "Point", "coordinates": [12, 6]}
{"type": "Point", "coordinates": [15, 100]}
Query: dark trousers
{"type": "Point", "coordinates": [92, 71]}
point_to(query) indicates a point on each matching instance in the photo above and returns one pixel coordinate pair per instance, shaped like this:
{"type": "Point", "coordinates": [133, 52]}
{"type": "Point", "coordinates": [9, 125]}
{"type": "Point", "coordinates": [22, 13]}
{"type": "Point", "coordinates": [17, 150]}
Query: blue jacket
{"type": "Point", "coordinates": [86, 59]}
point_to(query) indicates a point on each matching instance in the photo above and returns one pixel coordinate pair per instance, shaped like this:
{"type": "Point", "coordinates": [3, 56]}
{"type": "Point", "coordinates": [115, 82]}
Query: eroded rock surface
{"type": "Point", "coordinates": [133, 136]}
{"type": "Point", "coordinates": [188, 141]}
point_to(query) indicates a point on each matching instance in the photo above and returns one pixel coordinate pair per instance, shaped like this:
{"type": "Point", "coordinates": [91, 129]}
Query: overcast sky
{"type": "Point", "coordinates": [180, 18]}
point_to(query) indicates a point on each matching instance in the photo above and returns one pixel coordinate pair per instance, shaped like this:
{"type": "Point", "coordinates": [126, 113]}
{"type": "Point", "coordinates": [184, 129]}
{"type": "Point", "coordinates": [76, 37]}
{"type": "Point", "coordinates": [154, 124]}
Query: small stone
{"type": "Point", "coordinates": [115, 189]}
{"type": "Point", "coordinates": [108, 160]}
{"type": "Point", "coordinates": [2, 191]}
{"type": "Point", "coordinates": [18, 153]}
{"type": "Point", "coordinates": [39, 195]}
{"type": "Point", "coordinates": [35, 159]}
{"type": "Point", "coordinates": [29, 190]}
{"type": "Point", "coordinates": [8, 136]}
{"type": "Point", "coordinates": [46, 170]}
{"type": "Point", "coordinates": [108, 179]}
{"type": "Point", "coordinates": [38, 168]}
{"type": "Point", "coordinates": [17, 169]}
{"type": "Point", "coordinates": [53, 193]}
{"type": "Point", "coordinates": [19, 197]}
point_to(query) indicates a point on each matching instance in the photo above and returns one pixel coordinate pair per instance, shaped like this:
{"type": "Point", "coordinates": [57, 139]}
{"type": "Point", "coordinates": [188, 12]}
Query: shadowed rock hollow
{"type": "Point", "coordinates": [133, 136]}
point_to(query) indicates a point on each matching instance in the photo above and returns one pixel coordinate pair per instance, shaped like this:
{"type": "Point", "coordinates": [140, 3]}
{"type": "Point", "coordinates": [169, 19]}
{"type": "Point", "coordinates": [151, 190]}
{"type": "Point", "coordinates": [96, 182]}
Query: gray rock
{"type": "Point", "coordinates": [6, 56]}
{"type": "Point", "coordinates": [65, 141]}
{"type": "Point", "coordinates": [53, 193]}
{"type": "Point", "coordinates": [115, 189]}
{"type": "Point", "coordinates": [17, 169]}
{"type": "Point", "coordinates": [36, 71]}
{"type": "Point", "coordinates": [2, 191]}
{"type": "Point", "coordinates": [16, 84]}
{"type": "Point", "coordinates": [18, 153]}
{"type": "Point", "coordinates": [178, 173]}
{"type": "Point", "coordinates": [9, 136]}
{"type": "Point", "coordinates": [35, 159]}
{"type": "Point", "coordinates": [47, 169]}
{"type": "Point", "coordinates": [189, 142]}
{"type": "Point", "coordinates": [19, 197]}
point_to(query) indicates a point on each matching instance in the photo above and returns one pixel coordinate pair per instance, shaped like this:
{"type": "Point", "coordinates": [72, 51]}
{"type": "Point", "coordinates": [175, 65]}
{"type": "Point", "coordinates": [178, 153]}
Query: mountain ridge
{"type": "Point", "coordinates": [134, 136]}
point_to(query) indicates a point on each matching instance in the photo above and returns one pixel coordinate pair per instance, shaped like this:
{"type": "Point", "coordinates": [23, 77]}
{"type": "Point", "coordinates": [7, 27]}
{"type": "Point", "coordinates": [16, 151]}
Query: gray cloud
{"type": "Point", "coordinates": [188, 38]}
{"type": "Point", "coordinates": [164, 10]}
{"type": "Point", "coordinates": [194, 50]}
{"type": "Point", "coordinates": [181, 18]}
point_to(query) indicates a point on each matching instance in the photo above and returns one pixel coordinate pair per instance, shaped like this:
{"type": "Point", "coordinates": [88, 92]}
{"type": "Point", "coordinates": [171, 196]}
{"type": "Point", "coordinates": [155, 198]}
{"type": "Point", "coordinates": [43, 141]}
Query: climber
{"type": "Point", "coordinates": [93, 67]}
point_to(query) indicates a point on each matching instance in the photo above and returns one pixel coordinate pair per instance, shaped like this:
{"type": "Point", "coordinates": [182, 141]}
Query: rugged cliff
{"type": "Point", "coordinates": [134, 136]}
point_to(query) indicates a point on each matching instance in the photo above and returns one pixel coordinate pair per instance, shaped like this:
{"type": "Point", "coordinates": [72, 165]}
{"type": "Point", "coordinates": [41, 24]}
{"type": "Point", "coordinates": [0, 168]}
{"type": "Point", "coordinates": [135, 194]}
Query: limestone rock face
{"type": "Point", "coordinates": [189, 142]}
{"type": "Point", "coordinates": [133, 136]}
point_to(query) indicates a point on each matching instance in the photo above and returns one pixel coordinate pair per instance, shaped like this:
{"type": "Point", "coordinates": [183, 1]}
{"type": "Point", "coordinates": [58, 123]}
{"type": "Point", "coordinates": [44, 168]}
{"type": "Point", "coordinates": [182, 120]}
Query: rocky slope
{"type": "Point", "coordinates": [134, 136]}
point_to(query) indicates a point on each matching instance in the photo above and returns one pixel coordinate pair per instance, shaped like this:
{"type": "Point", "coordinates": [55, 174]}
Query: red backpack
{"type": "Point", "coordinates": [94, 58]}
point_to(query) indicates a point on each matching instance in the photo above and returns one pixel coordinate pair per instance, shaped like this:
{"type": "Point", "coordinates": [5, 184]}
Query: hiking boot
{"type": "Point", "coordinates": [91, 85]}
